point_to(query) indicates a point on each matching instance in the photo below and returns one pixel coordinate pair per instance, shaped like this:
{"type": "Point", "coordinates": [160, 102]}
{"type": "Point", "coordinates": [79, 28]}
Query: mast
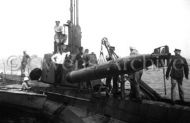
{"type": "Point", "coordinates": [74, 12]}
{"type": "Point", "coordinates": [71, 10]}
{"type": "Point", "coordinates": [74, 28]}
{"type": "Point", "coordinates": [77, 13]}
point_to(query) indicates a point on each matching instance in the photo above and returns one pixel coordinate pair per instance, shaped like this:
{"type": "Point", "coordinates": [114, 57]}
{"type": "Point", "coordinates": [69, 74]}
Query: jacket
{"type": "Point", "coordinates": [177, 68]}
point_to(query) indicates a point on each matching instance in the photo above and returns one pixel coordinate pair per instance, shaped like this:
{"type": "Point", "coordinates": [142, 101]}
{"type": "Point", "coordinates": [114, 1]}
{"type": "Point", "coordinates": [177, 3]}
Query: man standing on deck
{"type": "Point", "coordinates": [86, 58]}
{"type": "Point", "coordinates": [177, 68]}
{"type": "Point", "coordinates": [135, 79]}
{"type": "Point", "coordinates": [79, 64]}
{"type": "Point", "coordinates": [79, 59]}
{"type": "Point", "coordinates": [115, 78]}
{"type": "Point", "coordinates": [58, 59]}
{"type": "Point", "coordinates": [24, 62]}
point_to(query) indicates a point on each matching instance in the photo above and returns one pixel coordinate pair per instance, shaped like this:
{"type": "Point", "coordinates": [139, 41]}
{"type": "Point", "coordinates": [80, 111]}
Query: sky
{"type": "Point", "coordinates": [143, 24]}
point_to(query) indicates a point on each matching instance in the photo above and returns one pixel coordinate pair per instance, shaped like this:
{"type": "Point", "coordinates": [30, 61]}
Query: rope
{"type": "Point", "coordinates": [101, 59]}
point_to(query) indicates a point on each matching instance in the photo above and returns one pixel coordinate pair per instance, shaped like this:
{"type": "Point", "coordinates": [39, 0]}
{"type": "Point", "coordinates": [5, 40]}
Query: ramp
{"type": "Point", "coordinates": [149, 92]}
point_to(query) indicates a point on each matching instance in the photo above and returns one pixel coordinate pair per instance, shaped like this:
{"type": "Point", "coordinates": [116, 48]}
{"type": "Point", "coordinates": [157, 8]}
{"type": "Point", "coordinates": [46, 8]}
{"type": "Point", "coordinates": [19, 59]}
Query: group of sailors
{"type": "Point", "coordinates": [134, 80]}
{"type": "Point", "coordinates": [177, 69]}
{"type": "Point", "coordinates": [82, 60]}
{"type": "Point", "coordinates": [63, 60]}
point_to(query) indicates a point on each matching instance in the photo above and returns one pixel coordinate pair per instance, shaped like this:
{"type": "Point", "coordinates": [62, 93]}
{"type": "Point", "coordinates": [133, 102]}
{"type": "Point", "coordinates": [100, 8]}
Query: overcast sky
{"type": "Point", "coordinates": [144, 24]}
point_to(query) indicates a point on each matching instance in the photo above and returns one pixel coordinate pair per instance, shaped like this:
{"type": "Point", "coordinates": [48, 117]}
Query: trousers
{"type": "Point", "coordinates": [180, 88]}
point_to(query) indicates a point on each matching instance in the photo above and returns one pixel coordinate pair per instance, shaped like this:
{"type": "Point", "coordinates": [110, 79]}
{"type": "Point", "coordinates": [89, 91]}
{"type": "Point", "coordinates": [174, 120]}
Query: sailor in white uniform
{"type": "Point", "coordinates": [58, 59]}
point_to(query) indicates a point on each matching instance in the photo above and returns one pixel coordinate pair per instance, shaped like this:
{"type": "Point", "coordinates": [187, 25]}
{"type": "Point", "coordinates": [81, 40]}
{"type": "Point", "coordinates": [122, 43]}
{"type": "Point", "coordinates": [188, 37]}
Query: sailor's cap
{"type": "Point", "coordinates": [132, 48]}
{"type": "Point", "coordinates": [177, 50]}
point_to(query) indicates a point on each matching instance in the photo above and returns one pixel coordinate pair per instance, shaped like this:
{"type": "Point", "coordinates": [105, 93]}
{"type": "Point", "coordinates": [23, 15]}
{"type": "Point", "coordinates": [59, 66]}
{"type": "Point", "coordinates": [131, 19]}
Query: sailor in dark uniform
{"type": "Point", "coordinates": [79, 65]}
{"type": "Point", "coordinates": [177, 68]}
{"type": "Point", "coordinates": [115, 78]}
{"type": "Point", "coordinates": [135, 79]}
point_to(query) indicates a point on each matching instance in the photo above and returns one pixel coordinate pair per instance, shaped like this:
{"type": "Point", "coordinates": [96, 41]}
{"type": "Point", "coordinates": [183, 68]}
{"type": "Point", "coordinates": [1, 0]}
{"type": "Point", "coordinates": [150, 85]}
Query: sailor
{"type": "Point", "coordinates": [86, 58]}
{"type": "Point", "coordinates": [68, 63]}
{"type": "Point", "coordinates": [25, 85]}
{"type": "Point", "coordinates": [135, 79]}
{"type": "Point", "coordinates": [2, 77]}
{"type": "Point", "coordinates": [62, 46]}
{"type": "Point", "coordinates": [110, 78]}
{"type": "Point", "coordinates": [133, 51]}
{"type": "Point", "coordinates": [115, 85]}
{"type": "Point", "coordinates": [79, 64]}
{"type": "Point", "coordinates": [57, 29]}
{"type": "Point", "coordinates": [24, 62]}
{"type": "Point", "coordinates": [93, 58]}
{"type": "Point", "coordinates": [58, 33]}
{"type": "Point", "coordinates": [177, 68]}
{"type": "Point", "coordinates": [58, 59]}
